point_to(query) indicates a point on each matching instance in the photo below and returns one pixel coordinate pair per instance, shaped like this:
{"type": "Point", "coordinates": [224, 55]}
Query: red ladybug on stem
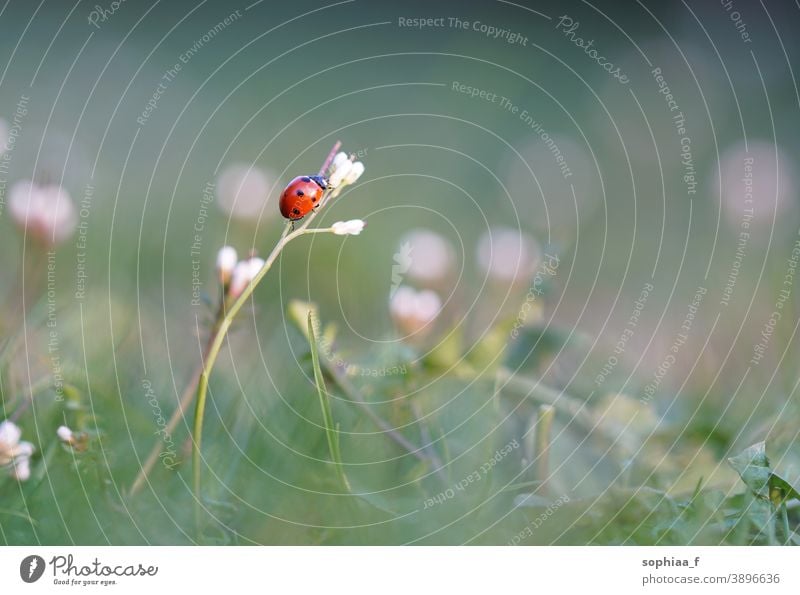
{"type": "Point", "coordinates": [301, 196]}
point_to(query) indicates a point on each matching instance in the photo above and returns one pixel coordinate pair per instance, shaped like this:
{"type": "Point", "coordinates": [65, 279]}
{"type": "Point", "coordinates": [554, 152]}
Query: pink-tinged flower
{"type": "Point", "coordinates": [46, 212]}
{"type": "Point", "coordinates": [508, 255]}
{"type": "Point", "coordinates": [15, 452]}
{"type": "Point", "coordinates": [226, 262]}
{"type": "Point", "coordinates": [353, 227]}
{"type": "Point", "coordinates": [243, 274]}
{"type": "Point", "coordinates": [414, 311]}
{"type": "Point", "coordinates": [242, 190]}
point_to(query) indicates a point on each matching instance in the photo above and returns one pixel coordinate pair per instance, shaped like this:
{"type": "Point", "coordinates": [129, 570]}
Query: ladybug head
{"type": "Point", "coordinates": [321, 181]}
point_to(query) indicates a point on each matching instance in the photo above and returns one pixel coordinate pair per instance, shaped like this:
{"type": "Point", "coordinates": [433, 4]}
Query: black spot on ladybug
{"type": "Point", "coordinates": [306, 179]}
{"type": "Point", "coordinates": [314, 199]}
{"type": "Point", "coordinates": [300, 193]}
{"type": "Point", "coordinates": [296, 211]}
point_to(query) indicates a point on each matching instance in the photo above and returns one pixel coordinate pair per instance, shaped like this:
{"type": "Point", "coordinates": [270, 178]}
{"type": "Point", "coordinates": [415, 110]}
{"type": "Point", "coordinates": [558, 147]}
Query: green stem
{"type": "Point", "coordinates": [216, 346]}
{"type": "Point", "coordinates": [787, 533]}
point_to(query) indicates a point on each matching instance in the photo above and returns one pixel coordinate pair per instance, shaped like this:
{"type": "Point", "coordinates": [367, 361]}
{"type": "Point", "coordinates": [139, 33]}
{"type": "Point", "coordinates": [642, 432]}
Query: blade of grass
{"type": "Point", "coordinates": [331, 431]}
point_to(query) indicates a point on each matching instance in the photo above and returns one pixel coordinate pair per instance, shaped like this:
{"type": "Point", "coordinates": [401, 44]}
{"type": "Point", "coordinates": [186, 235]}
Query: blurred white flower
{"type": "Point", "coordinates": [226, 262]}
{"type": "Point", "coordinates": [47, 212]}
{"type": "Point", "coordinates": [22, 469]}
{"type": "Point", "coordinates": [65, 435]}
{"type": "Point", "coordinates": [413, 311]}
{"type": "Point", "coordinates": [13, 451]}
{"type": "Point", "coordinates": [425, 255]}
{"type": "Point", "coordinates": [508, 255]}
{"type": "Point", "coordinates": [242, 190]}
{"type": "Point", "coordinates": [354, 173]}
{"type": "Point", "coordinates": [243, 274]}
{"type": "Point", "coordinates": [353, 227]}
{"type": "Point", "coordinates": [758, 178]}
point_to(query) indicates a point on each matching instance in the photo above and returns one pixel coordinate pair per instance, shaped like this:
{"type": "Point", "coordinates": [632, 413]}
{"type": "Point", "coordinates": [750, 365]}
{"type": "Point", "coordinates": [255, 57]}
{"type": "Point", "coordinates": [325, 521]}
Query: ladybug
{"type": "Point", "coordinates": [302, 195]}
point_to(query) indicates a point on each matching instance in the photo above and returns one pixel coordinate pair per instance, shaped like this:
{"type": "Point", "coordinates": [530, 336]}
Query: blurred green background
{"type": "Point", "coordinates": [274, 90]}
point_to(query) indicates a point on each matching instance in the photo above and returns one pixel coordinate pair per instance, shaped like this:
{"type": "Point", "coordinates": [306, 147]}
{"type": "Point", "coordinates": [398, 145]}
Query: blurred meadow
{"type": "Point", "coordinates": [570, 319]}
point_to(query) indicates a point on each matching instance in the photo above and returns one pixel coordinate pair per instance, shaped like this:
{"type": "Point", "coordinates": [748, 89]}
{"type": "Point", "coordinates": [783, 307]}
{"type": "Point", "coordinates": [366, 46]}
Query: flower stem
{"type": "Point", "coordinates": [216, 344]}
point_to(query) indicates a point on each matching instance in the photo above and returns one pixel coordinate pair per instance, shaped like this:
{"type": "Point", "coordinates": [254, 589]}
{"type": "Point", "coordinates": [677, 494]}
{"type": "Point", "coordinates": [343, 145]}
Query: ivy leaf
{"type": "Point", "coordinates": [752, 465]}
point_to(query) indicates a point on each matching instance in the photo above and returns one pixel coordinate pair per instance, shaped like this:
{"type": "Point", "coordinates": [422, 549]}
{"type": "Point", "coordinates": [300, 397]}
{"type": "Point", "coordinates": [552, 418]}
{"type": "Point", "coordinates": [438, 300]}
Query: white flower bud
{"type": "Point", "coordinates": [243, 274]}
{"type": "Point", "coordinates": [338, 161]}
{"type": "Point", "coordinates": [46, 212]}
{"type": "Point", "coordinates": [226, 262]}
{"type": "Point", "coordinates": [355, 172]}
{"type": "Point", "coordinates": [65, 434]}
{"type": "Point", "coordinates": [339, 173]}
{"type": "Point", "coordinates": [353, 227]}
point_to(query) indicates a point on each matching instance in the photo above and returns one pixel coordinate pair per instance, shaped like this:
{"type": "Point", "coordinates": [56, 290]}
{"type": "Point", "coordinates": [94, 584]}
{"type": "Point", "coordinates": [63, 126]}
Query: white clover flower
{"type": "Point", "coordinates": [226, 262]}
{"type": "Point", "coordinates": [46, 212]}
{"type": "Point", "coordinates": [243, 274]}
{"type": "Point", "coordinates": [413, 311]}
{"type": "Point", "coordinates": [65, 435]}
{"type": "Point", "coordinates": [242, 190]}
{"type": "Point", "coordinates": [425, 256]}
{"type": "Point", "coordinates": [353, 227]}
{"type": "Point", "coordinates": [15, 452]}
{"type": "Point", "coordinates": [508, 255]}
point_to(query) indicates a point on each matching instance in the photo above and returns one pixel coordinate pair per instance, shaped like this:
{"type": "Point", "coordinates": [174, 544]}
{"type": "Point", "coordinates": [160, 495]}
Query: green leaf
{"type": "Point", "coordinates": [752, 466]}
{"type": "Point", "coordinates": [331, 430]}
